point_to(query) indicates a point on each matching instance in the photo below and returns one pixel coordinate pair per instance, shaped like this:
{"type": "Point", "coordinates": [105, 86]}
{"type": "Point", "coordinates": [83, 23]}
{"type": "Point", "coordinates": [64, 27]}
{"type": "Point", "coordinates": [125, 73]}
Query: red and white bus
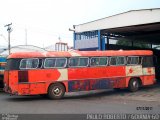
{"type": "Point", "coordinates": [54, 73]}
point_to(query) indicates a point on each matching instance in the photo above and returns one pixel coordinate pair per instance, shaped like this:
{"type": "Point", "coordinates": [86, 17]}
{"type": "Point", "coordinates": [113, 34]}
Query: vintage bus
{"type": "Point", "coordinates": [54, 73]}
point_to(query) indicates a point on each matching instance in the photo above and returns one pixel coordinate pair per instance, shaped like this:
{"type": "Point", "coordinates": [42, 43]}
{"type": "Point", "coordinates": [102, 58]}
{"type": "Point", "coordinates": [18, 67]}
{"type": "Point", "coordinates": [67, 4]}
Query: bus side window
{"type": "Point", "coordinates": [23, 64]}
{"type": "Point", "coordinates": [78, 62]}
{"type": "Point", "coordinates": [61, 62]}
{"type": "Point", "coordinates": [147, 61]}
{"type": "Point", "coordinates": [83, 62]}
{"type": "Point", "coordinates": [113, 61]}
{"type": "Point", "coordinates": [12, 64]}
{"type": "Point", "coordinates": [133, 60]}
{"type": "Point", "coordinates": [49, 62]}
{"type": "Point", "coordinates": [103, 61]}
{"type": "Point", "coordinates": [73, 62]}
{"type": "Point", "coordinates": [31, 63]}
{"type": "Point", "coordinates": [94, 61]}
{"type": "Point", "coordinates": [121, 60]}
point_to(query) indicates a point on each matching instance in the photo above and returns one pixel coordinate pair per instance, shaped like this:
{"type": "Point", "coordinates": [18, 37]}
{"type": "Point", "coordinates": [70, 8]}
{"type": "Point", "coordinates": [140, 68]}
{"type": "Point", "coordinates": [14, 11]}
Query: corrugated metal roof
{"type": "Point", "coordinates": [129, 18]}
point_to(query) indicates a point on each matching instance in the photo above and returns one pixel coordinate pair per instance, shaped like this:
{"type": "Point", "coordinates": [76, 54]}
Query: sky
{"type": "Point", "coordinates": [47, 20]}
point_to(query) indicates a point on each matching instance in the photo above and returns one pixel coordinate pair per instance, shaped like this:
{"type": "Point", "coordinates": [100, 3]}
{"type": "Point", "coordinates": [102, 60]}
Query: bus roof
{"type": "Point", "coordinates": [80, 53]}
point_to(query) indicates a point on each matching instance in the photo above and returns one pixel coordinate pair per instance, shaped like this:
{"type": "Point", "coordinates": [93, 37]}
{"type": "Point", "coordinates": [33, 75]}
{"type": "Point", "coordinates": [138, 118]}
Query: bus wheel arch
{"type": "Point", "coordinates": [134, 84]}
{"type": "Point", "coordinates": [56, 90]}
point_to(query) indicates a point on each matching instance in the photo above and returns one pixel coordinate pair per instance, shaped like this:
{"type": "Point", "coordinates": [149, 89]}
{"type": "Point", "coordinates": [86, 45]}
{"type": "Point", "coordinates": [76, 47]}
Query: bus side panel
{"type": "Point", "coordinates": [120, 83]}
{"type": "Point", "coordinates": [24, 89]}
{"type": "Point", "coordinates": [13, 81]}
{"type": "Point", "coordinates": [78, 85]}
{"type": "Point", "coordinates": [96, 78]}
{"type": "Point", "coordinates": [94, 84]}
{"type": "Point", "coordinates": [31, 88]}
{"type": "Point", "coordinates": [44, 75]}
{"type": "Point", "coordinates": [39, 88]}
{"type": "Point", "coordinates": [133, 71]}
{"type": "Point", "coordinates": [96, 72]}
{"type": "Point", "coordinates": [148, 80]}
{"type": "Point", "coordinates": [47, 77]}
{"type": "Point", "coordinates": [149, 76]}
{"type": "Point", "coordinates": [42, 78]}
{"type": "Point", "coordinates": [66, 85]}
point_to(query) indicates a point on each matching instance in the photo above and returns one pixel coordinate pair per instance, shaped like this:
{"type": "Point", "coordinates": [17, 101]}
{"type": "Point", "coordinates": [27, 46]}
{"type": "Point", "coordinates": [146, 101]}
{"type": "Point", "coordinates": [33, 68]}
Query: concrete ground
{"type": "Point", "coordinates": [146, 100]}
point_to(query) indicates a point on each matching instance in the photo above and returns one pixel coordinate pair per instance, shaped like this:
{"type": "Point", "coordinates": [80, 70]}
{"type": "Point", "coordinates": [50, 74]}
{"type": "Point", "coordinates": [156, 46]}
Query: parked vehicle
{"type": "Point", "coordinates": [54, 73]}
{"type": "Point", "coordinates": [2, 67]}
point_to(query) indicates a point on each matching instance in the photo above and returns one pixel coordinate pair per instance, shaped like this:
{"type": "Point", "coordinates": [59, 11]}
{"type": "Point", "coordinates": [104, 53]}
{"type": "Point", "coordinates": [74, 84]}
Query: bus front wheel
{"type": "Point", "coordinates": [56, 91]}
{"type": "Point", "coordinates": [133, 85]}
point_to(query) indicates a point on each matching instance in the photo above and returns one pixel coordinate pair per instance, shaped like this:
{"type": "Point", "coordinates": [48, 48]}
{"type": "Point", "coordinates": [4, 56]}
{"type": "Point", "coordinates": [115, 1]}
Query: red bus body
{"type": "Point", "coordinates": [37, 81]}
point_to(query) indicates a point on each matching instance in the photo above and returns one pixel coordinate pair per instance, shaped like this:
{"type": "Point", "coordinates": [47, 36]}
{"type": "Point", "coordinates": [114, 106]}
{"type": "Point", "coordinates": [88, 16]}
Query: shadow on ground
{"type": "Point", "coordinates": [95, 94]}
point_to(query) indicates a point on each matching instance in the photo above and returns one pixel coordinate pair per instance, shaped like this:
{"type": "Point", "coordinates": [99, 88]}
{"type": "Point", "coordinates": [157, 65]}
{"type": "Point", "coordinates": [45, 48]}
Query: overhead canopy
{"type": "Point", "coordinates": [139, 25]}
{"type": "Point", "coordinates": [149, 33]}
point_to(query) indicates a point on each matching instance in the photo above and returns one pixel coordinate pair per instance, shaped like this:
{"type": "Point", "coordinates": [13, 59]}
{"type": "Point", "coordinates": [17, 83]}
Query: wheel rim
{"type": "Point", "coordinates": [135, 84]}
{"type": "Point", "coordinates": [57, 91]}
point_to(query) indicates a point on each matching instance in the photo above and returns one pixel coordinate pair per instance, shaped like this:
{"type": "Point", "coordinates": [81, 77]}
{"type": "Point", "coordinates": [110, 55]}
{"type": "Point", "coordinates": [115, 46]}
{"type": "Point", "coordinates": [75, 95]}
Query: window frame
{"type": "Point", "coordinates": [41, 64]}
{"type": "Point", "coordinates": [78, 62]}
{"type": "Point", "coordinates": [64, 64]}
{"type": "Point", "coordinates": [139, 62]}
{"type": "Point", "coordinates": [55, 63]}
{"type": "Point", "coordinates": [124, 61]}
{"type": "Point", "coordinates": [98, 61]}
{"type": "Point", "coordinates": [91, 60]}
{"type": "Point", "coordinates": [28, 59]}
{"type": "Point", "coordinates": [69, 62]}
{"type": "Point", "coordinates": [45, 63]}
{"type": "Point", "coordinates": [110, 60]}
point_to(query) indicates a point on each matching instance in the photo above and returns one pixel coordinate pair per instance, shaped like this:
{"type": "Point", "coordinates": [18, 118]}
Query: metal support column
{"type": "Point", "coordinates": [99, 40]}
{"type": "Point", "coordinates": [74, 39]}
{"type": "Point", "coordinates": [132, 43]}
{"type": "Point", "coordinates": [103, 44]}
{"type": "Point", "coordinates": [107, 42]}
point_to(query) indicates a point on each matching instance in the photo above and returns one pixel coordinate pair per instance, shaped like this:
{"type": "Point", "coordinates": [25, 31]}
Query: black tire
{"type": "Point", "coordinates": [116, 89]}
{"type": "Point", "coordinates": [133, 85]}
{"type": "Point", "coordinates": [56, 91]}
{"type": "Point", "coordinates": [1, 82]}
{"type": "Point", "coordinates": [44, 95]}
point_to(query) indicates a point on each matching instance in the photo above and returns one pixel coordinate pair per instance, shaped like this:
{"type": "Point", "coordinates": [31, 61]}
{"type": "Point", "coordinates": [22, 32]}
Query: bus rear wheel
{"type": "Point", "coordinates": [133, 85]}
{"type": "Point", "coordinates": [56, 91]}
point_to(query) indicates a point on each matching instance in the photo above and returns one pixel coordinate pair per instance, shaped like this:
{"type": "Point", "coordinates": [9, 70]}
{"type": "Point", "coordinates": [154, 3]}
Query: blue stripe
{"type": "Point", "coordinates": [2, 59]}
{"type": "Point", "coordinates": [94, 84]}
